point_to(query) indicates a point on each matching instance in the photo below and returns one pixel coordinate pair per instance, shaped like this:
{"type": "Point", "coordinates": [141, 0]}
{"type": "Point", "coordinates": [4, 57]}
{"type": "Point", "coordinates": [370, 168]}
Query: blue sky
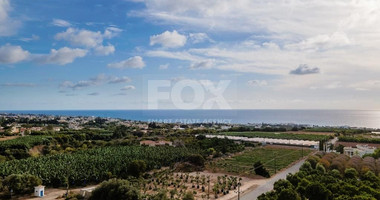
{"type": "Point", "coordinates": [78, 54]}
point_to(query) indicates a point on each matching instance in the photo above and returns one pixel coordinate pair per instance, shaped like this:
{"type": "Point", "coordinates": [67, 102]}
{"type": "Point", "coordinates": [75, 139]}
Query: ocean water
{"type": "Point", "coordinates": [353, 118]}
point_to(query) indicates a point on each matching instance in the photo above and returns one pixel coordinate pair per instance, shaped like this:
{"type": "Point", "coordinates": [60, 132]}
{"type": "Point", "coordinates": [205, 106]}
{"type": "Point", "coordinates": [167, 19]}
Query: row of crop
{"type": "Point", "coordinates": [359, 139]}
{"type": "Point", "coordinates": [93, 165]}
{"type": "Point", "coordinates": [282, 135]}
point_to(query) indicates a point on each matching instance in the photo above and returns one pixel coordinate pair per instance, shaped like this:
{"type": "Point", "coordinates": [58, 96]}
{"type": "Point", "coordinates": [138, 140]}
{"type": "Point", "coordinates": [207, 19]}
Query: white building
{"type": "Point", "coordinates": [39, 191]}
{"type": "Point", "coordinates": [360, 150]}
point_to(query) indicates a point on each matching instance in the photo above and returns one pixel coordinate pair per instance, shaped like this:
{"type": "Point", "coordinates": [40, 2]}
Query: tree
{"type": "Point", "coordinates": [282, 184]}
{"type": "Point", "coordinates": [115, 189]}
{"type": "Point", "coordinates": [306, 167]}
{"type": "Point", "coordinates": [320, 168]}
{"type": "Point", "coordinates": [21, 183]}
{"type": "Point", "coordinates": [288, 194]}
{"type": "Point", "coordinates": [196, 159]}
{"type": "Point", "coordinates": [260, 169]}
{"type": "Point", "coordinates": [120, 132]}
{"type": "Point", "coordinates": [137, 168]}
{"type": "Point", "coordinates": [339, 148]}
{"type": "Point", "coordinates": [350, 173]}
{"type": "Point", "coordinates": [316, 191]}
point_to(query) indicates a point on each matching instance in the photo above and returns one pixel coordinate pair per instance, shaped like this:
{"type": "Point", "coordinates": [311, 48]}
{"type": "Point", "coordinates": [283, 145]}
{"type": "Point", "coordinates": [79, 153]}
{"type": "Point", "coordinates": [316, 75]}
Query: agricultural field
{"type": "Point", "coordinates": [242, 164]}
{"type": "Point", "coordinates": [94, 165]}
{"type": "Point", "coordinates": [202, 185]}
{"type": "Point", "coordinates": [25, 142]}
{"type": "Point", "coordinates": [279, 135]}
{"type": "Point", "coordinates": [359, 139]}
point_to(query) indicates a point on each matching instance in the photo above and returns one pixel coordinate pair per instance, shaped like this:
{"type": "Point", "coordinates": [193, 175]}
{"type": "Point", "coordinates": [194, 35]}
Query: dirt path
{"type": "Point", "coordinates": [267, 184]}
{"type": "Point", "coordinates": [55, 193]}
{"type": "Point", "coordinates": [8, 138]}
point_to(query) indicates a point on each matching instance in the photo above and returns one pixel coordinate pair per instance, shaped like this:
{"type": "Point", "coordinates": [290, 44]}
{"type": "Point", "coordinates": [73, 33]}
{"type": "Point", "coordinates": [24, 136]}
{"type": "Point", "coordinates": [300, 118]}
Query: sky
{"type": "Point", "coordinates": [199, 54]}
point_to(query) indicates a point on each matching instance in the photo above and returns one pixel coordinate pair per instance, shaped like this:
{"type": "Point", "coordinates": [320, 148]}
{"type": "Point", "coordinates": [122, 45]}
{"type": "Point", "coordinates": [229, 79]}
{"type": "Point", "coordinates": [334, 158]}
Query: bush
{"type": "Point", "coordinates": [115, 189]}
{"type": "Point", "coordinates": [196, 159]}
{"type": "Point", "coordinates": [21, 183]}
{"type": "Point", "coordinates": [137, 168]}
{"type": "Point", "coordinates": [260, 169]}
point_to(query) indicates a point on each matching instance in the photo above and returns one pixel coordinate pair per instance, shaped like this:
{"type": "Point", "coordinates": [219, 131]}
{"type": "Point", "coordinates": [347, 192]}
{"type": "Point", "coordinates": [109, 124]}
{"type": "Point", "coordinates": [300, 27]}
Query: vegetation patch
{"type": "Point", "coordinates": [278, 135]}
{"type": "Point", "coordinates": [273, 159]}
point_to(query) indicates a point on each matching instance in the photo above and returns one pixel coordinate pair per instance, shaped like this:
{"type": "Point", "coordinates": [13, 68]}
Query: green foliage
{"type": "Point", "coordinates": [121, 131]}
{"type": "Point", "coordinates": [260, 169]}
{"type": "Point", "coordinates": [219, 145]}
{"type": "Point", "coordinates": [136, 168]}
{"type": "Point", "coordinates": [18, 148]}
{"type": "Point", "coordinates": [196, 159]}
{"type": "Point", "coordinates": [350, 173]}
{"type": "Point", "coordinates": [93, 165]}
{"type": "Point", "coordinates": [21, 183]}
{"type": "Point", "coordinates": [359, 139]}
{"type": "Point", "coordinates": [115, 189]}
{"type": "Point", "coordinates": [242, 163]}
{"type": "Point", "coordinates": [288, 194]}
{"type": "Point", "coordinates": [275, 135]}
{"type": "Point", "coordinates": [339, 148]}
{"type": "Point", "coordinates": [326, 183]}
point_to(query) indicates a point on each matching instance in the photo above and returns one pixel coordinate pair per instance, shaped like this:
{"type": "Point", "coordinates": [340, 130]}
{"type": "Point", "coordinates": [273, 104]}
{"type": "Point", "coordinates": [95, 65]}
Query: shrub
{"type": "Point", "coordinates": [115, 189]}
{"type": "Point", "coordinates": [21, 183]}
{"type": "Point", "coordinates": [260, 169]}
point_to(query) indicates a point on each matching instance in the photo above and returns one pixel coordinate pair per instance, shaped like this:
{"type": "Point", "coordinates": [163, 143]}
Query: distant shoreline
{"type": "Point", "coordinates": [332, 118]}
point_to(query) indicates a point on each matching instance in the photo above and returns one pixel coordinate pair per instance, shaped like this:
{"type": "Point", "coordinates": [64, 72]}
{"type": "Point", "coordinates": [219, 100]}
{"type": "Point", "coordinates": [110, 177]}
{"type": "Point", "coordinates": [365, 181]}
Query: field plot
{"type": "Point", "coordinates": [202, 185]}
{"type": "Point", "coordinates": [273, 158]}
{"type": "Point", "coordinates": [279, 135]}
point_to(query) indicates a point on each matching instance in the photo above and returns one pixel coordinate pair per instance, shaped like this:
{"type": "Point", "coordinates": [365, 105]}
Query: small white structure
{"type": "Point", "coordinates": [39, 191]}
{"type": "Point", "coordinates": [360, 150]}
{"type": "Point", "coordinates": [86, 192]}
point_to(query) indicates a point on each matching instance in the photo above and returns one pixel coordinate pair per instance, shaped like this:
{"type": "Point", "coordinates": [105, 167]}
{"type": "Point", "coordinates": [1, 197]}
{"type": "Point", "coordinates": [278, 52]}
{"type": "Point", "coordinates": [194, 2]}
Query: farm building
{"type": "Point", "coordinates": [360, 150]}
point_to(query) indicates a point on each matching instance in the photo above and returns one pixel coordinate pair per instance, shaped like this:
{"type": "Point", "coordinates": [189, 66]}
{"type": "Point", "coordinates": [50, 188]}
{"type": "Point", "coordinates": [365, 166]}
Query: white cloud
{"type": "Point", "coordinates": [115, 80]}
{"type": "Point", "coordinates": [104, 50]}
{"type": "Point", "coordinates": [8, 26]}
{"type": "Point", "coordinates": [169, 39]}
{"type": "Point", "coordinates": [128, 87]}
{"type": "Point", "coordinates": [100, 79]}
{"type": "Point", "coordinates": [257, 83]}
{"type": "Point", "coordinates": [61, 23]}
{"type": "Point", "coordinates": [61, 56]}
{"type": "Point", "coordinates": [12, 54]}
{"type": "Point", "coordinates": [28, 39]}
{"type": "Point", "coordinates": [78, 37]}
{"type": "Point", "coordinates": [90, 39]}
{"type": "Point", "coordinates": [322, 42]}
{"type": "Point", "coordinates": [198, 37]}
{"type": "Point", "coordinates": [133, 62]}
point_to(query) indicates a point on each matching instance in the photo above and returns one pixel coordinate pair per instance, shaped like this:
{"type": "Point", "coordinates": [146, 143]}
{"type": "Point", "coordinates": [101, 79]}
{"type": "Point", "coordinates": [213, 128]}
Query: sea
{"type": "Point", "coordinates": [351, 118]}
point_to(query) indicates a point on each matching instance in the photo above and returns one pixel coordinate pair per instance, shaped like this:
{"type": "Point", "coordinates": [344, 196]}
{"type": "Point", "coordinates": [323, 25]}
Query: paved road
{"type": "Point", "coordinates": [269, 185]}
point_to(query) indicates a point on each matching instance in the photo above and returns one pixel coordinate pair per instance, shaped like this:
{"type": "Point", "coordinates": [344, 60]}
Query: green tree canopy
{"type": "Point", "coordinates": [115, 189]}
